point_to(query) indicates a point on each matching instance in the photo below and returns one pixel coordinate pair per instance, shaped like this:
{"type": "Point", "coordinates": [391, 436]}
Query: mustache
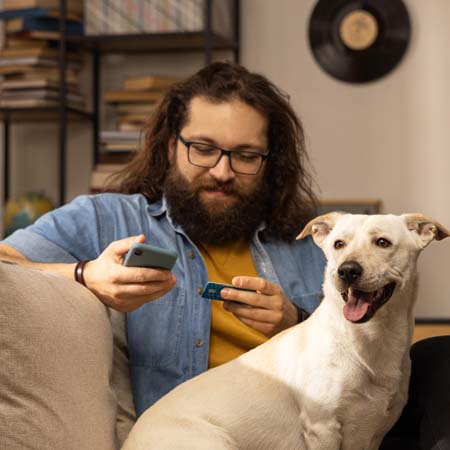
{"type": "Point", "coordinates": [214, 185]}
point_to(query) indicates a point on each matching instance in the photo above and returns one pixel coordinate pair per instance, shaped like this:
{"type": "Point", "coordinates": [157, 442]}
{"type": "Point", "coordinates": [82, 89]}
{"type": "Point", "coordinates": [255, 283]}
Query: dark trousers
{"type": "Point", "coordinates": [425, 421]}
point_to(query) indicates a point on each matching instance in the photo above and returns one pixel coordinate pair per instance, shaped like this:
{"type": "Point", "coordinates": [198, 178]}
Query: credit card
{"type": "Point", "coordinates": [211, 291]}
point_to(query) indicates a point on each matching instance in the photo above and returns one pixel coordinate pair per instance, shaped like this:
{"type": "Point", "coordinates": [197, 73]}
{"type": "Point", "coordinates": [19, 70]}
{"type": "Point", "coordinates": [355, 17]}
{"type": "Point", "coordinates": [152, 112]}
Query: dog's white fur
{"type": "Point", "coordinates": [325, 384]}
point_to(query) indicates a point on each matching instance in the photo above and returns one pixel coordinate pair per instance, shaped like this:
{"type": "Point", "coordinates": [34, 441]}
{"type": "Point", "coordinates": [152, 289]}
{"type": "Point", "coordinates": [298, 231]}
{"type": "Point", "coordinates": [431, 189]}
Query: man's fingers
{"type": "Point", "coordinates": [249, 298]}
{"type": "Point", "coordinates": [116, 273]}
{"type": "Point", "coordinates": [262, 327]}
{"type": "Point", "coordinates": [143, 275]}
{"type": "Point", "coordinates": [255, 314]}
{"type": "Point", "coordinates": [130, 291]}
{"type": "Point", "coordinates": [255, 299]}
{"type": "Point", "coordinates": [134, 302]}
{"type": "Point", "coordinates": [257, 284]}
{"type": "Point", "coordinates": [120, 247]}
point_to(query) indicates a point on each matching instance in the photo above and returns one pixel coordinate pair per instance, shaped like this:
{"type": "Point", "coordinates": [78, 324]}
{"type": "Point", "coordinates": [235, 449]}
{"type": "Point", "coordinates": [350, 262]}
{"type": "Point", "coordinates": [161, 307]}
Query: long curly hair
{"type": "Point", "coordinates": [292, 199]}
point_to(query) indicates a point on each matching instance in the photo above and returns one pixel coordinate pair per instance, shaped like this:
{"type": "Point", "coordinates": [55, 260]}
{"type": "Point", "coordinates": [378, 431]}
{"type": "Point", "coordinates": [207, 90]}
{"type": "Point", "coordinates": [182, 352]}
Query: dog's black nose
{"type": "Point", "coordinates": [350, 271]}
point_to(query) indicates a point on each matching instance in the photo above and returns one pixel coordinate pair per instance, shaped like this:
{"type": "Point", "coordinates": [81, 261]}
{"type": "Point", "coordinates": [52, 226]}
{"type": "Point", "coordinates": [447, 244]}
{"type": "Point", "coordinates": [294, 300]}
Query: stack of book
{"type": "Point", "coordinates": [116, 149]}
{"type": "Point", "coordinates": [101, 176]}
{"type": "Point", "coordinates": [31, 78]}
{"type": "Point", "coordinates": [133, 106]}
{"type": "Point", "coordinates": [136, 102]}
{"type": "Point", "coordinates": [29, 61]}
{"type": "Point", "coordinates": [40, 18]}
{"type": "Point", "coordinates": [119, 141]}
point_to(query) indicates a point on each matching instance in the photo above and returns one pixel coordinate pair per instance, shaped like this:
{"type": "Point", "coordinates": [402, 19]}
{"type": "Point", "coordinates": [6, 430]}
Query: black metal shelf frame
{"type": "Point", "coordinates": [206, 41]}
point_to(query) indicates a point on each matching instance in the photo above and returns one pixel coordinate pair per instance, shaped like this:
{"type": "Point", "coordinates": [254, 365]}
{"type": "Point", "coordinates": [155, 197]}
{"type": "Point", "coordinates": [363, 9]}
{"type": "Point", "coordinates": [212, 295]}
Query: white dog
{"type": "Point", "coordinates": [337, 381]}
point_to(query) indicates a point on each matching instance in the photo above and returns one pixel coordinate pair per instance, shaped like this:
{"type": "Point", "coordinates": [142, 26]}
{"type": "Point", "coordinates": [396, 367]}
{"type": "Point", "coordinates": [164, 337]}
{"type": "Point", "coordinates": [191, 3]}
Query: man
{"type": "Point", "coordinates": [222, 180]}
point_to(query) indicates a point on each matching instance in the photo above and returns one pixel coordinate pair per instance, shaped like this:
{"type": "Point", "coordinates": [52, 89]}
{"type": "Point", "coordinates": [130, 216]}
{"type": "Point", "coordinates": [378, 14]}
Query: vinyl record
{"type": "Point", "coordinates": [359, 40]}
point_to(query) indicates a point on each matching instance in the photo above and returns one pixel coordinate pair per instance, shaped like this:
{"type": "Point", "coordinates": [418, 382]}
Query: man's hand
{"type": "Point", "coordinates": [125, 288]}
{"type": "Point", "coordinates": [269, 310]}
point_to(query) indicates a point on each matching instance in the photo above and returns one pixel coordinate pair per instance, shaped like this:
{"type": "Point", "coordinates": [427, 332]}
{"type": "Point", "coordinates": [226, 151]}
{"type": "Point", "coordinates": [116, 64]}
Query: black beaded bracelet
{"type": "Point", "coordinates": [78, 274]}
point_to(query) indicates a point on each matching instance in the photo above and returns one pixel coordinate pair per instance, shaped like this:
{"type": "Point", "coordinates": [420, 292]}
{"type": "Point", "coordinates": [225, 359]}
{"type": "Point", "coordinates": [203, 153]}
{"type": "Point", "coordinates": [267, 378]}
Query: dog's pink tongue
{"type": "Point", "coordinates": [357, 305]}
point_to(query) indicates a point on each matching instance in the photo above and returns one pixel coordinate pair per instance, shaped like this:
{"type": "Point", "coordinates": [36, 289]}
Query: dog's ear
{"type": "Point", "coordinates": [426, 228]}
{"type": "Point", "coordinates": [320, 227]}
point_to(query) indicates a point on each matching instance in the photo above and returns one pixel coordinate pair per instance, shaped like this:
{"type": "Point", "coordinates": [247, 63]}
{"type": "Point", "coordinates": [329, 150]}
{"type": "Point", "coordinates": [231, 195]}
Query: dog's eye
{"type": "Point", "coordinates": [383, 243]}
{"type": "Point", "coordinates": [339, 244]}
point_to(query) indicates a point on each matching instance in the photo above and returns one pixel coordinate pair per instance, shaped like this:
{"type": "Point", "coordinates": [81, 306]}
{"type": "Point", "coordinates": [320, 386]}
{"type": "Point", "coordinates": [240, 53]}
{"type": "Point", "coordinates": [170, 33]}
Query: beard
{"type": "Point", "coordinates": [235, 217]}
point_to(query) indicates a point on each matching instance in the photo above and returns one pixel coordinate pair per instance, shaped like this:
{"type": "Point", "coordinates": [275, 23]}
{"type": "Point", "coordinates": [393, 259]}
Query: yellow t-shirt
{"type": "Point", "coordinates": [229, 336]}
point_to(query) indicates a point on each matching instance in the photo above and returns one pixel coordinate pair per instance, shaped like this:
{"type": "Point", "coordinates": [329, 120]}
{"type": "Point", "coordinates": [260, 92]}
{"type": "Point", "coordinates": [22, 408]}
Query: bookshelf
{"type": "Point", "coordinates": [206, 41]}
{"type": "Point", "coordinates": [61, 113]}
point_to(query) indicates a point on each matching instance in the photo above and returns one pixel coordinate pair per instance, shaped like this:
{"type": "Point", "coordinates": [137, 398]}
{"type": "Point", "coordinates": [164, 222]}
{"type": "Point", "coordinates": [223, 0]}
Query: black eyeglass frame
{"type": "Point", "coordinates": [225, 152]}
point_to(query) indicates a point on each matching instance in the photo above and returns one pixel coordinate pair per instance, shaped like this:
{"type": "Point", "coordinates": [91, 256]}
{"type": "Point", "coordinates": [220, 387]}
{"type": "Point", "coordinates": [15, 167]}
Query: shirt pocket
{"type": "Point", "coordinates": [154, 330]}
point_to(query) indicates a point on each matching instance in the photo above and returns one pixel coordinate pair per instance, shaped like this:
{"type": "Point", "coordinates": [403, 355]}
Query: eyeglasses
{"type": "Point", "coordinates": [245, 162]}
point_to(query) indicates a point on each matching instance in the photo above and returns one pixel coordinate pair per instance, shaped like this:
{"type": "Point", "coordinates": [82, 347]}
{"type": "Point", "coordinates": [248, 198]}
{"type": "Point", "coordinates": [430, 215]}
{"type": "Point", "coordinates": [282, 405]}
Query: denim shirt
{"type": "Point", "coordinates": [168, 338]}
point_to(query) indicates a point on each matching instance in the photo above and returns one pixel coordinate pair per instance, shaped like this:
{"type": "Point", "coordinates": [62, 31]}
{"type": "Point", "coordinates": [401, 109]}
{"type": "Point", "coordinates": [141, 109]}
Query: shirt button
{"type": "Point", "coordinates": [199, 290]}
{"type": "Point", "coordinates": [199, 342]}
{"type": "Point", "coordinates": [191, 254]}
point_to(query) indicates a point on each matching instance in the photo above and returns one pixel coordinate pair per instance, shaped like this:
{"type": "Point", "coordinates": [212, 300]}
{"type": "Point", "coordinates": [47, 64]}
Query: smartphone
{"type": "Point", "coordinates": [145, 255]}
{"type": "Point", "coordinates": [211, 291]}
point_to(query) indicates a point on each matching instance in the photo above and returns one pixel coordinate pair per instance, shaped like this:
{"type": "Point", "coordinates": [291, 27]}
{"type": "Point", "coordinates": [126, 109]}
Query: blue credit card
{"type": "Point", "coordinates": [212, 291]}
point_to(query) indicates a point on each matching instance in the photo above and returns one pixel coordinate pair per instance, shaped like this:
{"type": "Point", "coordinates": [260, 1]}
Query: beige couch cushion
{"type": "Point", "coordinates": [120, 380]}
{"type": "Point", "coordinates": [56, 365]}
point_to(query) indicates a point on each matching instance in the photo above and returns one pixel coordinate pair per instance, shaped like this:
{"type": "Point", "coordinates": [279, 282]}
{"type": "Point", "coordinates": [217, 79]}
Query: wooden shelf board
{"type": "Point", "coordinates": [151, 42]}
{"type": "Point", "coordinates": [41, 114]}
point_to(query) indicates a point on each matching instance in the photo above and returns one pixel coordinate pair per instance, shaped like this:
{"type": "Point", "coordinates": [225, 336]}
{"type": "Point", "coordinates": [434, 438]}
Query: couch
{"type": "Point", "coordinates": [64, 378]}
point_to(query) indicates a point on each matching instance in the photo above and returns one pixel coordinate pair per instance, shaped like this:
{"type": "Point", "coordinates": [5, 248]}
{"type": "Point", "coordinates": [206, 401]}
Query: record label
{"type": "Point", "coordinates": [358, 30]}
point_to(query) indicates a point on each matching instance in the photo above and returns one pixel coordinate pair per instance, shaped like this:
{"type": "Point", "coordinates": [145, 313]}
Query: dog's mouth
{"type": "Point", "coordinates": [360, 306]}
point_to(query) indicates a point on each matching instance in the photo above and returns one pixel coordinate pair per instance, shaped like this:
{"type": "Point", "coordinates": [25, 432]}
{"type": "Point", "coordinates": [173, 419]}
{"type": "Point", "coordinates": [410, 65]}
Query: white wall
{"type": "Point", "coordinates": [386, 139]}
